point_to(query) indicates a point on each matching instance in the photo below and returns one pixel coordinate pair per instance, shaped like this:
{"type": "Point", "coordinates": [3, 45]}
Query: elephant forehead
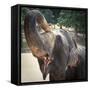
{"type": "Point", "coordinates": [48, 40]}
{"type": "Point", "coordinates": [63, 37]}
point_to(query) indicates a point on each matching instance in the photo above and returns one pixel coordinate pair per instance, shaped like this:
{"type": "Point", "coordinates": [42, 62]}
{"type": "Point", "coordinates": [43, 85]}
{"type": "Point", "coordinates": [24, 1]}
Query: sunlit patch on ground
{"type": "Point", "coordinates": [30, 71]}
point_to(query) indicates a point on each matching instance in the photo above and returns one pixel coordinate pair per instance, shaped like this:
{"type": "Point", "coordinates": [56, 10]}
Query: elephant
{"type": "Point", "coordinates": [57, 52]}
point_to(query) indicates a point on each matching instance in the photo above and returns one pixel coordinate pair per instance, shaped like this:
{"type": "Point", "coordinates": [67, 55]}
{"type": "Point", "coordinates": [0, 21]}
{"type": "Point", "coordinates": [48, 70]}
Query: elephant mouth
{"type": "Point", "coordinates": [45, 67]}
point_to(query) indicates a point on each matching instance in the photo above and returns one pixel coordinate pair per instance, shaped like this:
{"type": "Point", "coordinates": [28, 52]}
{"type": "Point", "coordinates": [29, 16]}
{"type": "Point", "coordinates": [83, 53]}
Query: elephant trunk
{"type": "Point", "coordinates": [33, 37]}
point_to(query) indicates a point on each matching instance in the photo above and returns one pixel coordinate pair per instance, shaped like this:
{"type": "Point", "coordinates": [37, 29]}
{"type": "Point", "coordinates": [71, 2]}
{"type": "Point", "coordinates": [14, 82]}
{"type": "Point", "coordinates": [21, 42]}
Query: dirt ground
{"type": "Point", "coordinates": [30, 71]}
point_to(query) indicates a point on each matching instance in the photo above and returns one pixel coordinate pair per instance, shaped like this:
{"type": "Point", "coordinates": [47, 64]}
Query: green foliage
{"type": "Point", "coordinates": [56, 13]}
{"type": "Point", "coordinates": [72, 18]}
{"type": "Point", "coordinates": [48, 14]}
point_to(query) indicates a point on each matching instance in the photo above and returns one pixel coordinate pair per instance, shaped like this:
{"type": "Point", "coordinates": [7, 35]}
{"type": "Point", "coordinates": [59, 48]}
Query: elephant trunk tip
{"type": "Point", "coordinates": [44, 76]}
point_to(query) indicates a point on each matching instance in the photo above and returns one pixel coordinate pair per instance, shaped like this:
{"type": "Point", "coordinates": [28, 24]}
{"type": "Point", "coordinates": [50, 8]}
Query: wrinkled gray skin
{"type": "Point", "coordinates": [60, 48]}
